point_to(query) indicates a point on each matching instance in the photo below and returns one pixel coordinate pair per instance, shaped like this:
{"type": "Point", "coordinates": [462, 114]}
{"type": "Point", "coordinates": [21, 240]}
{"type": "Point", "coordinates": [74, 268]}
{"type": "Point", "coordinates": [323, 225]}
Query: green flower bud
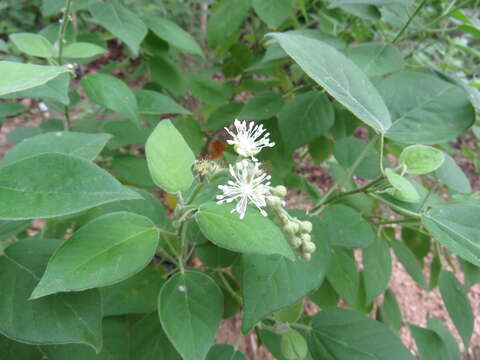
{"type": "Point", "coordinates": [306, 226]}
{"type": "Point", "coordinates": [295, 242]}
{"type": "Point", "coordinates": [290, 228]}
{"type": "Point", "coordinates": [305, 238]}
{"type": "Point", "coordinates": [274, 201]}
{"type": "Point", "coordinates": [306, 256]}
{"type": "Point", "coordinates": [280, 191]}
{"type": "Point", "coordinates": [308, 247]}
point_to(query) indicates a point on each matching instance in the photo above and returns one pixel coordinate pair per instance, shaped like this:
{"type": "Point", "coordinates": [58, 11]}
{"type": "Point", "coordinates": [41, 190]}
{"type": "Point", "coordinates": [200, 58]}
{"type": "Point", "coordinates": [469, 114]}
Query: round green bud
{"type": "Point", "coordinates": [295, 242]}
{"type": "Point", "coordinates": [306, 256]}
{"type": "Point", "coordinates": [274, 201]}
{"type": "Point", "coordinates": [306, 226]}
{"type": "Point", "coordinates": [291, 228]}
{"type": "Point", "coordinates": [280, 191]}
{"type": "Point", "coordinates": [305, 238]}
{"type": "Point", "coordinates": [309, 247]}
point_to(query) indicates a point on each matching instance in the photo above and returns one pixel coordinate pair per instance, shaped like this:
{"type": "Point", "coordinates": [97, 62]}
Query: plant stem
{"type": "Point", "coordinates": [67, 124]}
{"type": "Point", "coordinates": [410, 19]}
{"type": "Point", "coordinates": [63, 28]}
{"type": "Point", "coordinates": [382, 143]}
{"type": "Point", "coordinates": [400, 221]}
{"type": "Point", "coordinates": [355, 191]}
{"type": "Point", "coordinates": [229, 288]}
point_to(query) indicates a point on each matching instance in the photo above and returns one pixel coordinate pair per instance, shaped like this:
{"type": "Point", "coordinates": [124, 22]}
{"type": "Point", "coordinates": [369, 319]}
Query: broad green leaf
{"type": "Point", "coordinates": [225, 21]}
{"type": "Point", "coordinates": [155, 103]}
{"type": "Point", "coordinates": [402, 188]}
{"type": "Point", "coordinates": [223, 116]}
{"type": "Point", "coordinates": [121, 22]}
{"type": "Point", "coordinates": [364, 11]}
{"type": "Point", "coordinates": [409, 262]}
{"type": "Point", "coordinates": [429, 344]}
{"type": "Point", "coordinates": [344, 226]}
{"type": "Point", "coordinates": [132, 170]}
{"type": "Point", "coordinates": [254, 234]}
{"type": "Point", "coordinates": [65, 318]}
{"type": "Point", "coordinates": [126, 133]}
{"type": "Point", "coordinates": [224, 352]}
{"type": "Point", "coordinates": [376, 59]}
{"type": "Point", "coordinates": [190, 306]}
{"type": "Point", "coordinates": [21, 133]}
{"type": "Point", "coordinates": [17, 77]}
{"type": "Point", "coordinates": [136, 295]}
{"type": "Point", "coordinates": [215, 257]}
{"type": "Point", "coordinates": [112, 93]}
{"type": "Point", "coordinates": [389, 312]}
{"type": "Point", "coordinates": [348, 149]}
{"type": "Point", "coordinates": [11, 109]}
{"type": "Point", "coordinates": [173, 34]}
{"type": "Point", "coordinates": [191, 131]}
{"type": "Point", "coordinates": [270, 283]}
{"type": "Point", "coordinates": [273, 12]}
{"type": "Point", "coordinates": [343, 275]}
{"type": "Point", "coordinates": [262, 106]}
{"type": "Point", "coordinates": [12, 228]}
{"type": "Point", "coordinates": [471, 273]}
{"type": "Point", "coordinates": [32, 44]}
{"type": "Point", "coordinates": [441, 330]}
{"type": "Point", "coordinates": [305, 118]}
{"type": "Point", "coordinates": [169, 158]}
{"type": "Point", "coordinates": [82, 50]}
{"type": "Point", "coordinates": [457, 304]}
{"type": "Point", "coordinates": [320, 149]}
{"type": "Point", "coordinates": [430, 111]}
{"type": "Point", "coordinates": [209, 91]}
{"type": "Point", "coordinates": [377, 268]}
{"type": "Point", "coordinates": [85, 146]}
{"type": "Point", "coordinates": [52, 185]}
{"type": "Point", "coordinates": [345, 334]}
{"type": "Point", "coordinates": [106, 251]}
{"type": "Point", "coordinates": [167, 74]}
{"type": "Point", "coordinates": [52, 7]}
{"type": "Point", "coordinates": [452, 175]}
{"type": "Point", "coordinates": [338, 3]}
{"type": "Point", "coordinates": [339, 76]}
{"type": "Point", "coordinates": [421, 159]}
{"type": "Point", "coordinates": [294, 345]}
{"type": "Point", "coordinates": [326, 296]}
{"type": "Point", "coordinates": [12, 350]}
{"type": "Point", "coordinates": [457, 227]}
{"type": "Point", "coordinates": [290, 314]}
{"type": "Point", "coordinates": [417, 242]}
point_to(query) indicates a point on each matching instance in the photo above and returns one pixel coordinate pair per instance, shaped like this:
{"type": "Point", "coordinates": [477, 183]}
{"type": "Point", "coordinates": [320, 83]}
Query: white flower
{"type": "Point", "coordinates": [249, 140]}
{"type": "Point", "coordinates": [42, 107]}
{"type": "Point", "coordinates": [247, 186]}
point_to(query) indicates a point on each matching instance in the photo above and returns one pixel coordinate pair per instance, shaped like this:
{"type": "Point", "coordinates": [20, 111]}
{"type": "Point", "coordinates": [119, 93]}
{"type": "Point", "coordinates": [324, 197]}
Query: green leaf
{"type": "Point", "coordinates": [225, 21]}
{"type": "Point", "coordinates": [169, 158]}
{"type": "Point", "coordinates": [364, 11]}
{"type": "Point", "coordinates": [51, 7]}
{"type": "Point", "coordinates": [51, 185]}
{"type": "Point", "coordinates": [457, 304]}
{"type": "Point", "coordinates": [430, 111]}
{"type": "Point", "coordinates": [344, 226]}
{"type": "Point", "coordinates": [85, 146]}
{"type": "Point", "coordinates": [209, 91]}
{"type": "Point", "coordinates": [457, 228]}
{"type": "Point", "coordinates": [132, 170]}
{"type": "Point", "coordinates": [112, 93]}
{"type": "Point", "coordinates": [215, 257]}
{"type": "Point", "coordinates": [191, 131]}
{"type": "Point", "coordinates": [376, 59]}
{"type": "Point", "coordinates": [104, 252]}
{"type": "Point", "coordinates": [403, 189]}
{"type": "Point", "coordinates": [389, 312]}
{"type": "Point", "coordinates": [452, 175]}
{"type": "Point", "coordinates": [421, 159]}
{"type": "Point", "coordinates": [347, 150]}
{"type": "Point", "coordinates": [12, 228]}
{"type": "Point", "coordinates": [343, 275]}
{"type": "Point", "coordinates": [66, 318]}
{"type": "Point", "coordinates": [12, 350]}
{"type": "Point", "coordinates": [138, 294]}
{"type": "Point", "coordinates": [417, 242]}
{"type": "Point", "coordinates": [11, 109]}
{"type": "Point", "coordinates": [155, 103]}
{"type": "Point", "coordinates": [429, 344]}
{"type": "Point", "coordinates": [409, 262]}
{"type": "Point", "coordinates": [326, 296]}
{"type": "Point", "coordinates": [471, 273]}
{"type": "Point", "coordinates": [346, 334]}
{"type": "Point", "coordinates": [82, 50]}
{"type": "Point", "coordinates": [273, 12]}
{"type": "Point", "coordinates": [223, 116]}
{"type": "Point", "coordinates": [338, 3]}
{"type": "Point", "coordinates": [32, 44]}
{"type": "Point", "coordinates": [190, 306]}
{"type": "Point", "coordinates": [121, 22]}
{"type": "Point", "coordinates": [320, 149]}
{"type": "Point", "coordinates": [294, 345]}
{"type": "Point", "coordinates": [339, 76]}
{"type": "Point", "coordinates": [226, 352]}
{"type": "Point", "coordinates": [126, 133]}
{"type": "Point", "coordinates": [290, 314]}
{"type": "Point", "coordinates": [17, 77]}
{"type": "Point", "coordinates": [270, 283]}
{"type": "Point", "coordinates": [21, 133]}
{"type": "Point", "coordinates": [441, 330]}
{"type": "Point", "coordinates": [173, 34]}
{"type": "Point", "coordinates": [377, 268]}
{"type": "Point", "coordinates": [262, 107]}
{"type": "Point", "coordinates": [167, 74]}
{"type": "Point", "coordinates": [305, 118]}
{"type": "Point", "coordinates": [253, 234]}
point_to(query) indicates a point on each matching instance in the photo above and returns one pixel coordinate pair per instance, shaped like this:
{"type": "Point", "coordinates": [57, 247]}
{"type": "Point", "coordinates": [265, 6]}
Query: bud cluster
{"type": "Point", "coordinates": [297, 231]}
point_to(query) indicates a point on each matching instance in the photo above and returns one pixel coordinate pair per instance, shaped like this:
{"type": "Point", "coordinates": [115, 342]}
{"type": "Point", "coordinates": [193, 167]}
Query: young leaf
{"type": "Point", "coordinates": [326, 296]}
{"type": "Point", "coordinates": [112, 93]}
{"type": "Point", "coordinates": [224, 351]}
{"type": "Point", "coordinates": [294, 345]}
{"type": "Point", "coordinates": [403, 189]}
{"type": "Point", "coordinates": [253, 234]}
{"type": "Point", "coordinates": [450, 174]}
{"type": "Point", "coordinates": [457, 227]}
{"type": "Point", "coordinates": [421, 159]}
{"type": "Point", "coordinates": [17, 77]}
{"type": "Point", "coordinates": [457, 304]}
{"type": "Point", "coordinates": [121, 22]}
{"type": "Point", "coordinates": [273, 12]}
{"type": "Point", "coordinates": [33, 44]}
{"type": "Point", "coordinates": [339, 76]}
{"type": "Point", "coordinates": [82, 50]}
{"type": "Point", "coordinates": [103, 252]}
{"type": "Point", "coordinates": [377, 264]}
{"type": "Point", "coordinates": [85, 146]}
{"type": "Point", "coordinates": [190, 307]}
{"type": "Point", "coordinates": [66, 318]}
{"type": "Point", "coordinates": [169, 158]}
{"type": "Point", "coordinates": [72, 184]}
{"type": "Point", "coordinates": [345, 334]}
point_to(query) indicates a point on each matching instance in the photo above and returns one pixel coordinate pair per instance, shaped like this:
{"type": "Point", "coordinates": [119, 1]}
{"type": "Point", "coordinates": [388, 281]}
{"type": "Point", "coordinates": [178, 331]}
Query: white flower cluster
{"type": "Point", "coordinates": [250, 183]}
